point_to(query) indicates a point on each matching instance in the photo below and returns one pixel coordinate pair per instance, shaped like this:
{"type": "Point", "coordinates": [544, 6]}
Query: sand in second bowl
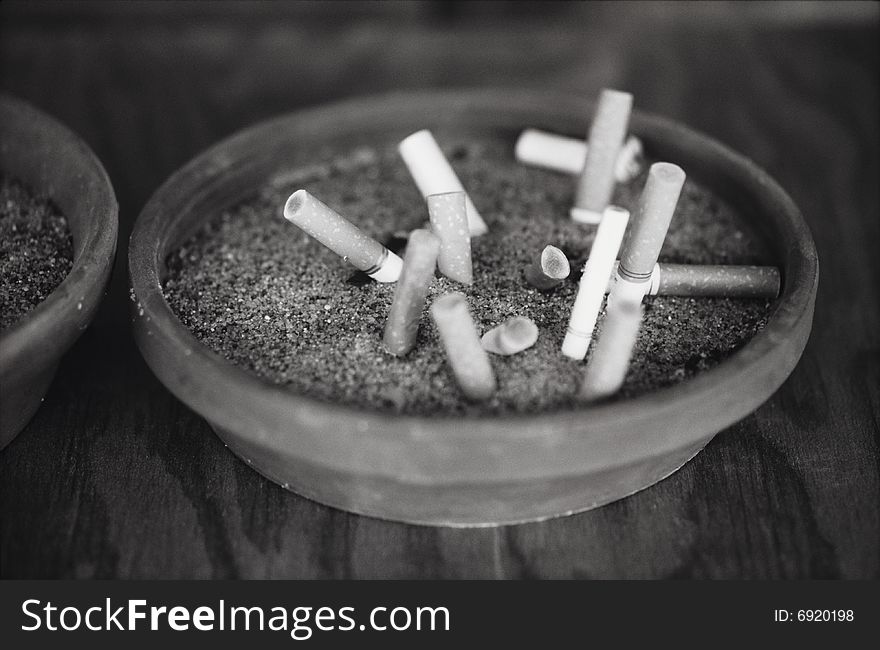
{"type": "Point", "coordinates": [262, 294]}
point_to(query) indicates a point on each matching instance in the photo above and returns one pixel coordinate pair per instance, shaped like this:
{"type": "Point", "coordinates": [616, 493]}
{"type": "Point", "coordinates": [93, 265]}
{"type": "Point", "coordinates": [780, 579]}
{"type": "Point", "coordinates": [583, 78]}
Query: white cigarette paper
{"type": "Point", "coordinates": [607, 133]}
{"type": "Point", "coordinates": [647, 231]}
{"type": "Point", "coordinates": [591, 290]}
{"type": "Point", "coordinates": [342, 237]}
{"type": "Point", "coordinates": [448, 214]}
{"type": "Point", "coordinates": [567, 155]}
{"type": "Point", "coordinates": [464, 351]}
{"type": "Point", "coordinates": [610, 360]}
{"type": "Point", "coordinates": [434, 175]}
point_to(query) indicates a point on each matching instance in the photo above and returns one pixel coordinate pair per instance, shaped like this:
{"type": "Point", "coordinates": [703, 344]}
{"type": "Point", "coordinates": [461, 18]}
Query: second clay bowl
{"type": "Point", "coordinates": [55, 163]}
{"type": "Point", "coordinates": [476, 470]}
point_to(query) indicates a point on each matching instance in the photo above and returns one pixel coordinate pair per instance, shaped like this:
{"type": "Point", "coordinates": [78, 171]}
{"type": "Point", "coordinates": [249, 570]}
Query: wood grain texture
{"type": "Point", "coordinates": [115, 478]}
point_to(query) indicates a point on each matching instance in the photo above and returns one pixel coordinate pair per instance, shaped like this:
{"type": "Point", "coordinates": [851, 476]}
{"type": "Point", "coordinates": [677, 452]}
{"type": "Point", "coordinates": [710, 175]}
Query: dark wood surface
{"type": "Point", "coordinates": [115, 478]}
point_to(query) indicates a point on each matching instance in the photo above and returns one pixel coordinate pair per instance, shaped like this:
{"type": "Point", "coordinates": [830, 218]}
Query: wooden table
{"type": "Point", "coordinates": [115, 478]}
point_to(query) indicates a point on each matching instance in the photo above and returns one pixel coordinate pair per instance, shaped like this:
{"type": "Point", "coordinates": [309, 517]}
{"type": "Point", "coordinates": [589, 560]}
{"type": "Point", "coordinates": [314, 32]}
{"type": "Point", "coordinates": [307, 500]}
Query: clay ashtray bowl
{"type": "Point", "coordinates": [472, 470]}
{"type": "Point", "coordinates": [53, 162]}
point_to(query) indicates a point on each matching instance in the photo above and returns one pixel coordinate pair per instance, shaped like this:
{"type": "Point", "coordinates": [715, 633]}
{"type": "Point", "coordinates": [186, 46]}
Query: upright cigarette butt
{"type": "Point", "coordinates": [434, 175]}
{"type": "Point", "coordinates": [647, 230]}
{"type": "Point", "coordinates": [448, 214]}
{"type": "Point", "coordinates": [710, 281]}
{"type": "Point", "coordinates": [549, 270]}
{"type": "Point", "coordinates": [608, 365]}
{"type": "Point", "coordinates": [411, 291]}
{"type": "Point", "coordinates": [607, 132]}
{"type": "Point", "coordinates": [594, 281]}
{"type": "Point", "coordinates": [342, 237]}
{"type": "Point", "coordinates": [465, 353]}
{"type": "Point", "coordinates": [567, 155]}
{"type": "Point", "coordinates": [718, 280]}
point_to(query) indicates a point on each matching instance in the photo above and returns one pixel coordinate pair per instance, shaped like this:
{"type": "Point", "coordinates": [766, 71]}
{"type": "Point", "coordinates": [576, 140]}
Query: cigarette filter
{"type": "Point", "coordinates": [647, 230]}
{"type": "Point", "coordinates": [608, 365]}
{"type": "Point", "coordinates": [469, 361]}
{"type": "Point", "coordinates": [591, 290]}
{"type": "Point", "coordinates": [513, 335]}
{"type": "Point", "coordinates": [434, 175]}
{"type": "Point", "coordinates": [607, 132]}
{"type": "Point", "coordinates": [711, 281]}
{"type": "Point", "coordinates": [410, 292]}
{"type": "Point", "coordinates": [342, 237]}
{"type": "Point", "coordinates": [720, 281]}
{"type": "Point", "coordinates": [563, 154]}
{"type": "Point", "coordinates": [549, 270]}
{"type": "Point", "coordinates": [448, 214]}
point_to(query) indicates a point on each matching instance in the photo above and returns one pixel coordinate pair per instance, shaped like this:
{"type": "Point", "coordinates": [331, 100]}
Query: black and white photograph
{"type": "Point", "coordinates": [438, 290]}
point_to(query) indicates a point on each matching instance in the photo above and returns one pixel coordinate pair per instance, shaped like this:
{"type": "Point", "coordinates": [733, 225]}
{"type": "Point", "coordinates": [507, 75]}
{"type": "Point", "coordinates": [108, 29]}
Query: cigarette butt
{"type": "Point", "coordinates": [647, 230]}
{"type": "Point", "coordinates": [594, 281]}
{"type": "Point", "coordinates": [567, 155]}
{"type": "Point", "coordinates": [551, 151]}
{"type": "Point", "coordinates": [549, 270]}
{"type": "Point", "coordinates": [607, 132]}
{"type": "Point", "coordinates": [469, 361]}
{"type": "Point", "coordinates": [719, 281]}
{"type": "Point", "coordinates": [608, 365]}
{"type": "Point", "coordinates": [448, 214]}
{"type": "Point", "coordinates": [411, 291]}
{"type": "Point", "coordinates": [513, 335]}
{"type": "Point", "coordinates": [434, 175]}
{"type": "Point", "coordinates": [342, 237]}
{"type": "Point", "coordinates": [711, 281]}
